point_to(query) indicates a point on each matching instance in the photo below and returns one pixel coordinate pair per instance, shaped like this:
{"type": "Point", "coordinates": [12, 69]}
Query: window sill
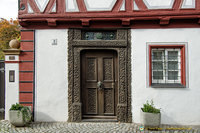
{"type": "Point", "coordinates": [167, 85]}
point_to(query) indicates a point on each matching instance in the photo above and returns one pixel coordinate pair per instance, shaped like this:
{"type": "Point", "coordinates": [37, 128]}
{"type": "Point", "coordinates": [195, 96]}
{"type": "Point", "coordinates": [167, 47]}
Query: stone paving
{"type": "Point", "coordinates": [86, 127]}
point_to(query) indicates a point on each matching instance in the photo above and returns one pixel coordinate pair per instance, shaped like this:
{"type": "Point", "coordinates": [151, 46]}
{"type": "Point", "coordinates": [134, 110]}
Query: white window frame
{"type": "Point", "coordinates": [165, 66]}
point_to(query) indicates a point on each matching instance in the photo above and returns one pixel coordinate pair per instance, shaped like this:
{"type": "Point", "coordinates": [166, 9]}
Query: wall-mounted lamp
{"type": "Point", "coordinates": [11, 76]}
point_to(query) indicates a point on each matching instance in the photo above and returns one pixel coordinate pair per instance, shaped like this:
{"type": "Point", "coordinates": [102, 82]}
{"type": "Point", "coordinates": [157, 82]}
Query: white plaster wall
{"type": "Point", "coordinates": [178, 106]}
{"type": "Point", "coordinates": [99, 5]}
{"type": "Point", "coordinates": [159, 4]}
{"type": "Point", "coordinates": [51, 100]}
{"type": "Point", "coordinates": [188, 4]}
{"type": "Point", "coordinates": [11, 88]}
{"type": "Point", "coordinates": [41, 4]}
{"type": "Point", "coordinates": [71, 6]}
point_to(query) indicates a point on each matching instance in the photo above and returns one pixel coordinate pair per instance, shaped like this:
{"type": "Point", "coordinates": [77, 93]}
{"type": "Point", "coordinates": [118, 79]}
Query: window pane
{"type": "Point", "coordinates": [172, 65]}
{"type": "Point", "coordinates": [157, 55]}
{"type": "Point", "coordinates": [157, 65]}
{"type": "Point", "coordinates": [172, 55]}
{"type": "Point", "coordinates": [172, 75]}
{"type": "Point", "coordinates": [158, 75]}
{"type": "Point", "coordinates": [99, 35]}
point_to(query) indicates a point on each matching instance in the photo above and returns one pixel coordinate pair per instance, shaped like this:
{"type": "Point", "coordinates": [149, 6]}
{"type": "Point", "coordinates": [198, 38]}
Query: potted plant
{"type": "Point", "coordinates": [150, 116]}
{"type": "Point", "coordinates": [20, 115]}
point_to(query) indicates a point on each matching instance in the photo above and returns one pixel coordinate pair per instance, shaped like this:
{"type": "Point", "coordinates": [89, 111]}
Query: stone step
{"type": "Point", "coordinates": [99, 120]}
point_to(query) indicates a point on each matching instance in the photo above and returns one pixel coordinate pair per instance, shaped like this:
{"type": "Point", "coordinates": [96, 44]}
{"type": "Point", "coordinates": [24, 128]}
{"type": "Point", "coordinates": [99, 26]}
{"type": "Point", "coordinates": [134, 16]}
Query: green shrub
{"type": "Point", "coordinates": [16, 107]}
{"type": "Point", "coordinates": [26, 112]}
{"type": "Point", "coordinates": [149, 107]}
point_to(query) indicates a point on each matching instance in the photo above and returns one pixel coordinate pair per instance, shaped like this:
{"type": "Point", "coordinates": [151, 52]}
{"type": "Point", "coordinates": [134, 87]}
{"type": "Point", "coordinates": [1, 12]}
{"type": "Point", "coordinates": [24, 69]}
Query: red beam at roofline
{"type": "Point", "coordinates": [114, 14]}
{"type": "Point", "coordinates": [164, 20]}
{"type": "Point", "coordinates": [107, 19]}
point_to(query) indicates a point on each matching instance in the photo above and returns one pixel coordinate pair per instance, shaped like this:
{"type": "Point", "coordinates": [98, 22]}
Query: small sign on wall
{"type": "Point", "coordinates": [11, 57]}
{"type": "Point", "coordinates": [54, 42]}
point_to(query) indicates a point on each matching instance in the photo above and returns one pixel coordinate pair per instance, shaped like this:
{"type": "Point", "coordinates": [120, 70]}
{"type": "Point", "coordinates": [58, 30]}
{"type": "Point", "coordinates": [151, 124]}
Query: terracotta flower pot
{"type": "Point", "coordinates": [14, 44]}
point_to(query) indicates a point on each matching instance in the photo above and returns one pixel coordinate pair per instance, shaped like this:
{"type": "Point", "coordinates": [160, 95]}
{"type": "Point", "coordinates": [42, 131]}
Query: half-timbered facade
{"type": "Point", "coordinates": [102, 59]}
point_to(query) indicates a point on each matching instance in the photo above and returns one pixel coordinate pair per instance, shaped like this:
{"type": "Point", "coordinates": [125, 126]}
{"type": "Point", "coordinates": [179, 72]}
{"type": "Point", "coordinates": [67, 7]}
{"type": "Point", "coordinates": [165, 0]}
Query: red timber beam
{"type": "Point", "coordinates": [117, 6]}
{"type": "Point", "coordinates": [125, 17]}
{"type": "Point", "coordinates": [49, 6]}
{"type": "Point", "coordinates": [108, 14]}
{"type": "Point", "coordinates": [34, 6]}
{"type": "Point", "coordinates": [197, 4]}
{"type": "Point", "coordinates": [163, 15]}
{"type": "Point", "coordinates": [141, 5]}
{"type": "Point", "coordinates": [129, 5]}
{"type": "Point", "coordinates": [81, 6]}
{"type": "Point", "coordinates": [177, 4]}
{"type": "Point", "coordinates": [198, 7]}
{"type": "Point", "coordinates": [61, 6]}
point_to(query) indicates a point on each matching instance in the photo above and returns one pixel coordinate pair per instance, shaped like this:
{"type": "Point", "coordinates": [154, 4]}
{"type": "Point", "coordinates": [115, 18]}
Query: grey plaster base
{"type": "Point", "coordinates": [150, 119]}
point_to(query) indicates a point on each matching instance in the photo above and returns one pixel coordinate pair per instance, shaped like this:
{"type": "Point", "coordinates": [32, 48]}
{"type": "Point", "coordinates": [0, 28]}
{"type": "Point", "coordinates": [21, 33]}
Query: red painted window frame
{"type": "Point", "coordinates": [183, 69]}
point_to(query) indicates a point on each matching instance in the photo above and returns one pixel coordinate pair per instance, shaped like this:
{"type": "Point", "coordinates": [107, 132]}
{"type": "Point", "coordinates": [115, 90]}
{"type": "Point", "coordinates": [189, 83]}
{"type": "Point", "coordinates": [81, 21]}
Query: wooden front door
{"type": "Point", "coordinates": [99, 84]}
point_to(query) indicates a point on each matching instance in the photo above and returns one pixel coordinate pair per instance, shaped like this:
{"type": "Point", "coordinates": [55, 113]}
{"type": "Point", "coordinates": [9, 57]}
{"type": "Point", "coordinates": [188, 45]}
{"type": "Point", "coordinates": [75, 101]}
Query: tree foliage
{"type": "Point", "coordinates": [8, 30]}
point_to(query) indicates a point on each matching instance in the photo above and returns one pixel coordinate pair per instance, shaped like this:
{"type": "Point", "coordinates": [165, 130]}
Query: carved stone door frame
{"type": "Point", "coordinates": [123, 48]}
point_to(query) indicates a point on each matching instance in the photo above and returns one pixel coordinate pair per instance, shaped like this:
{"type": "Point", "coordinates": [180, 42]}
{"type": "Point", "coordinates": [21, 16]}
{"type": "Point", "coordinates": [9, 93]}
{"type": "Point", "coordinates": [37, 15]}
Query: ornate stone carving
{"type": "Point", "coordinates": [122, 112]}
{"type": "Point", "coordinates": [70, 77]}
{"type": "Point", "coordinates": [129, 116]}
{"type": "Point", "coordinates": [77, 78]}
{"type": "Point", "coordinates": [77, 113]}
{"type": "Point", "coordinates": [102, 43]}
{"type": "Point", "coordinates": [122, 76]}
{"type": "Point", "coordinates": [122, 34]}
{"type": "Point", "coordinates": [122, 46]}
{"type": "Point", "coordinates": [77, 34]}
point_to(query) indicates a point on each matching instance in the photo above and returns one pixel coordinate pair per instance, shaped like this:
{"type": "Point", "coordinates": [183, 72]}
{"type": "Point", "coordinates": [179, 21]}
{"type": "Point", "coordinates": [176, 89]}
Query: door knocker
{"type": "Point", "coordinates": [100, 85]}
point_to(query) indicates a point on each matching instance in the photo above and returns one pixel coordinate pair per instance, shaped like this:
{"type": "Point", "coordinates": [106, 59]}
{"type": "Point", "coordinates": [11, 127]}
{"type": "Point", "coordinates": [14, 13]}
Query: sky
{"type": "Point", "coordinates": [8, 9]}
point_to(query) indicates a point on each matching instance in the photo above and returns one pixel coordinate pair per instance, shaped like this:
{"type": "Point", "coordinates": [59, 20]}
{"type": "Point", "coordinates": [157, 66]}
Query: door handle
{"type": "Point", "coordinates": [100, 85]}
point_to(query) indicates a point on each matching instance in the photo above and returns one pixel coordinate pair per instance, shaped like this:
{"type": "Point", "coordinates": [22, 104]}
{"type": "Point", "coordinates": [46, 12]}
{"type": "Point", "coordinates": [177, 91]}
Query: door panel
{"type": "Point", "coordinates": [99, 67]}
{"type": "Point", "coordinates": [92, 100]}
{"type": "Point", "coordinates": [108, 69]}
{"type": "Point", "coordinates": [91, 71]}
{"type": "Point", "coordinates": [108, 101]}
{"type": "Point", "coordinates": [108, 79]}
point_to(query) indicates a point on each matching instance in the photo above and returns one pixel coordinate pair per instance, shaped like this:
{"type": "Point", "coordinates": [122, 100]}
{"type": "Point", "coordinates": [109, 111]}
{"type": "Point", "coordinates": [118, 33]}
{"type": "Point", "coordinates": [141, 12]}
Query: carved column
{"type": "Point", "coordinates": [77, 112]}
{"type": "Point", "coordinates": [129, 113]}
{"type": "Point", "coordinates": [70, 74]}
{"type": "Point", "coordinates": [77, 116]}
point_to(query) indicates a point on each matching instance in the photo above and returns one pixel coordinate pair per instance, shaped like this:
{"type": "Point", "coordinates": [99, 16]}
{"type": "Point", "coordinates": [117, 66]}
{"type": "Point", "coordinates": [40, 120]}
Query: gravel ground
{"type": "Point", "coordinates": [87, 127]}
